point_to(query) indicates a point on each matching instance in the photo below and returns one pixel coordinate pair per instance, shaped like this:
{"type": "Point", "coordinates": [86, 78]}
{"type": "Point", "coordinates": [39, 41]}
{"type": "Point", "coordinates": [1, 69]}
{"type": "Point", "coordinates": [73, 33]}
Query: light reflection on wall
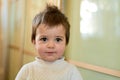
{"type": "Point", "coordinates": [87, 25]}
{"type": "Point", "coordinates": [99, 18]}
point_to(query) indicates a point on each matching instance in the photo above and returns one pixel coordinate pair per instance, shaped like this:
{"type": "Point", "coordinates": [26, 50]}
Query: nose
{"type": "Point", "coordinates": [51, 44]}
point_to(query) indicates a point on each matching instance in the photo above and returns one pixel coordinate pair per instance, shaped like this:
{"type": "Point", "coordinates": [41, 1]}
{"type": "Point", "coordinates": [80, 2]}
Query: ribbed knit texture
{"type": "Point", "coordinates": [42, 70]}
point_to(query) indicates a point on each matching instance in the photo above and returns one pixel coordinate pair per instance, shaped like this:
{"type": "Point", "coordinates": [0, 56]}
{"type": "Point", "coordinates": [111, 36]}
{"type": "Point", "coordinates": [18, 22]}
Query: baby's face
{"type": "Point", "coordinates": [50, 43]}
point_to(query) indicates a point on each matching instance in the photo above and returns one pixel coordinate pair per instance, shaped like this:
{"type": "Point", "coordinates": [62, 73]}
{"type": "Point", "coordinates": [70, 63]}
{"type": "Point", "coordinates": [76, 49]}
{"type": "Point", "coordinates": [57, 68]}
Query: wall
{"type": "Point", "coordinates": [16, 29]}
{"type": "Point", "coordinates": [100, 48]}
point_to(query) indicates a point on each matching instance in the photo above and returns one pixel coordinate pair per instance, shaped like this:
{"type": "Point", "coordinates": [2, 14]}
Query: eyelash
{"type": "Point", "coordinates": [58, 39]}
{"type": "Point", "coordinates": [44, 39]}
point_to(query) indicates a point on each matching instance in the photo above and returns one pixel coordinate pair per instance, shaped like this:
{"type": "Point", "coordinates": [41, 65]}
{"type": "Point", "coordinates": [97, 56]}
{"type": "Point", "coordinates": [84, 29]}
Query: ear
{"type": "Point", "coordinates": [33, 41]}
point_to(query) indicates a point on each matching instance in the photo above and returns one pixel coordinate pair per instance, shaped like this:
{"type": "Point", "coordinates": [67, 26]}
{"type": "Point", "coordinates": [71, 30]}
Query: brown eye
{"type": "Point", "coordinates": [58, 39]}
{"type": "Point", "coordinates": [44, 39]}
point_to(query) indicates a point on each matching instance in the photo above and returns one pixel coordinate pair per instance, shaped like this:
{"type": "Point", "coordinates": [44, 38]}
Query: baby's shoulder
{"type": "Point", "coordinates": [70, 64]}
{"type": "Point", "coordinates": [29, 65]}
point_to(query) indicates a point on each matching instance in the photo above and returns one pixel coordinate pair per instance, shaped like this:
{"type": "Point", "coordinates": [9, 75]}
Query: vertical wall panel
{"type": "Point", "coordinates": [95, 37]}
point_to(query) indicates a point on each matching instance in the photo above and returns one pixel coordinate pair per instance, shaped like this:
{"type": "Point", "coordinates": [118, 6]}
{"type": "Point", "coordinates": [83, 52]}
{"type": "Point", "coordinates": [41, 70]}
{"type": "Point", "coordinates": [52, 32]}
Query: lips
{"type": "Point", "coordinates": [50, 52]}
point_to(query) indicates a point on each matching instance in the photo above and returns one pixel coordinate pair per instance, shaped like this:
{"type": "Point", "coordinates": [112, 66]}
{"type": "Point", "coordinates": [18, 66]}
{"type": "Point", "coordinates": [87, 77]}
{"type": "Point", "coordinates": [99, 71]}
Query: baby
{"type": "Point", "coordinates": [50, 36]}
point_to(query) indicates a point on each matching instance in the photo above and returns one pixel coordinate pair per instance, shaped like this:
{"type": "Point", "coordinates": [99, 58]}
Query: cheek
{"type": "Point", "coordinates": [39, 48]}
{"type": "Point", "coordinates": [61, 49]}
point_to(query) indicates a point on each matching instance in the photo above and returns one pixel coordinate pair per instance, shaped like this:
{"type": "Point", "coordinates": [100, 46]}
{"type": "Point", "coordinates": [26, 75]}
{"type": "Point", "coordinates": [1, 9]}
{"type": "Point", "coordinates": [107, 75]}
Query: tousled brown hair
{"type": "Point", "coordinates": [51, 16]}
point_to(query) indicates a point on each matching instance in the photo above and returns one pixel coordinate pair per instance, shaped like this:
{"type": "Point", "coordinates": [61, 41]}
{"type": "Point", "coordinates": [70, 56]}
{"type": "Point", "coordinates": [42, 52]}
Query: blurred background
{"type": "Point", "coordinates": [94, 39]}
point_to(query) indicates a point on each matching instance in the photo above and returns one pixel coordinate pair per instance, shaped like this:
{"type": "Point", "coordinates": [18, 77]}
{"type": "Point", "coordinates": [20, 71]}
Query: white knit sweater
{"type": "Point", "coordinates": [41, 70]}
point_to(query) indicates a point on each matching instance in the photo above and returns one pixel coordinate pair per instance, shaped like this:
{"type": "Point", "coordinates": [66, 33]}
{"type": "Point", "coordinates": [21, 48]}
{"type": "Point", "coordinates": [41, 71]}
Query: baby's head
{"type": "Point", "coordinates": [51, 17]}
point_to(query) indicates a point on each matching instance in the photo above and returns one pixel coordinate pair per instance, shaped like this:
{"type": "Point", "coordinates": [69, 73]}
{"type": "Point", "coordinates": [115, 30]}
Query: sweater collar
{"type": "Point", "coordinates": [46, 63]}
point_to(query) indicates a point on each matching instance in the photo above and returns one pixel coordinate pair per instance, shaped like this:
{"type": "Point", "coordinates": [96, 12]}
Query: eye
{"type": "Point", "coordinates": [58, 39]}
{"type": "Point", "coordinates": [44, 39]}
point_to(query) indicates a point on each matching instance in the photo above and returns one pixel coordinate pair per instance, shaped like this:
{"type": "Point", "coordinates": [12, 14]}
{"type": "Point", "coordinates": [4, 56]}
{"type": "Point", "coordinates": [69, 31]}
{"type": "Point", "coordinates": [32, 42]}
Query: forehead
{"type": "Point", "coordinates": [47, 29]}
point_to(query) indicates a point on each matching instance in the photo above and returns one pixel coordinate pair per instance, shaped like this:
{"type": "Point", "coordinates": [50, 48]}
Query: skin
{"type": "Point", "coordinates": [50, 43]}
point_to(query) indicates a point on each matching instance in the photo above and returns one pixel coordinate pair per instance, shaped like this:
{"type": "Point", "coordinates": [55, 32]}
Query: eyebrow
{"type": "Point", "coordinates": [60, 37]}
{"type": "Point", "coordinates": [55, 36]}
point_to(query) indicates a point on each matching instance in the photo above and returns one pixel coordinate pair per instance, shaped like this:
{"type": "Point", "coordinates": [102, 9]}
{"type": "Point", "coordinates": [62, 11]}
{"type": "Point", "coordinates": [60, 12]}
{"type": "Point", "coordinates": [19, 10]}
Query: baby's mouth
{"type": "Point", "coordinates": [50, 52]}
